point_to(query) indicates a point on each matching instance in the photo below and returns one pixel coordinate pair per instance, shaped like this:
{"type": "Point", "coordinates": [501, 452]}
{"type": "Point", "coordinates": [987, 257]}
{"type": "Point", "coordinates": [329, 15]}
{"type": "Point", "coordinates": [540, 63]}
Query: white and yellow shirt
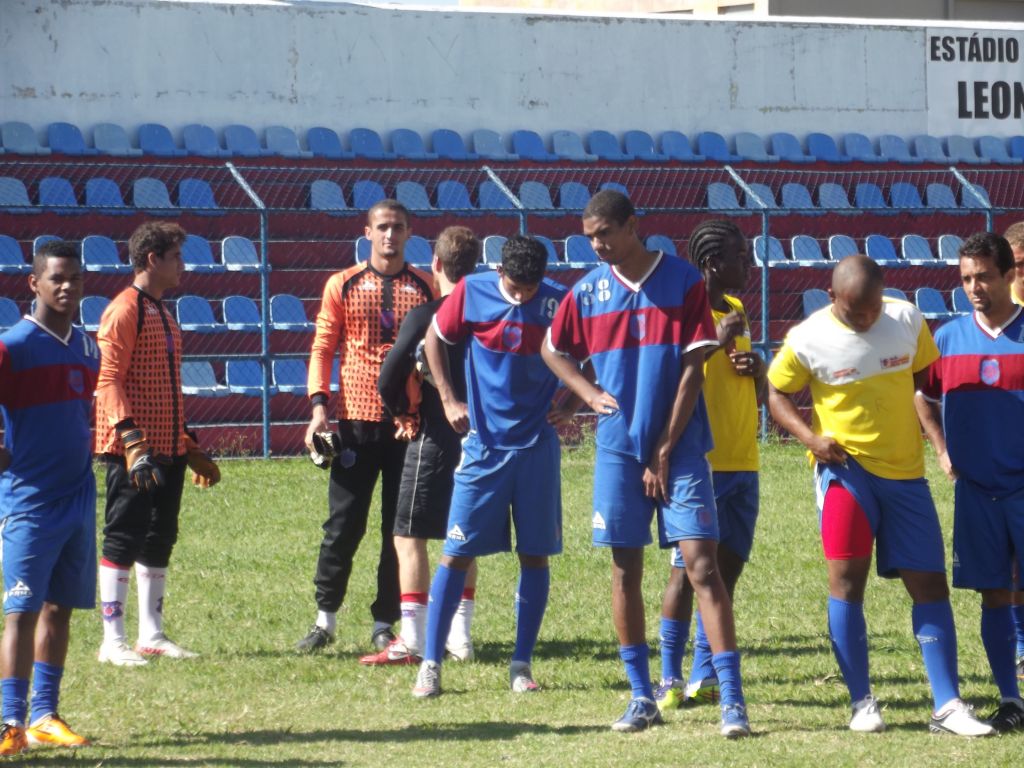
{"type": "Point", "coordinates": [732, 404]}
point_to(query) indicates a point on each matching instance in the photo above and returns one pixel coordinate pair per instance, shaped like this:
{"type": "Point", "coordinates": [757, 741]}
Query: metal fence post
{"type": "Point", "coordinates": [523, 229]}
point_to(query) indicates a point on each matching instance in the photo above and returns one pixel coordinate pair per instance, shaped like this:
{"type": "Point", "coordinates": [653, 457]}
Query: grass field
{"type": "Point", "coordinates": [240, 592]}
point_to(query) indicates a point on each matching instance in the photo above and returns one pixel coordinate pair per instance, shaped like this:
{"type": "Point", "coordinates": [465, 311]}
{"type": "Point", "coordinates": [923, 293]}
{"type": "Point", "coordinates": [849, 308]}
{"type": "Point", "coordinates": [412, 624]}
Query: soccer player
{"type": "Point", "coordinates": [362, 311]}
{"type": "Point", "coordinates": [734, 382]}
{"type": "Point", "coordinates": [642, 319]}
{"type": "Point", "coordinates": [142, 439]}
{"type": "Point", "coordinates": [861, 357]}
{"type": "Point", "coordinates": [430, 460]}
{"type": "Point", "coordinates": [510, 457]}
{"type": "Point", "coordinates": [1015, 237]}
{"type": "Point", "coordinates": [48, 371]}
{"type": "Point", "coordinates": [980, 382]}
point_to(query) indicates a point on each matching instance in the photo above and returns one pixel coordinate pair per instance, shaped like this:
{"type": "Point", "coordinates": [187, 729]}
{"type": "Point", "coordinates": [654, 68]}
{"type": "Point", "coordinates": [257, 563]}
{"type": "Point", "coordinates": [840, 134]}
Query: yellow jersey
{"type": "Point", "coordinates": [731, 401]}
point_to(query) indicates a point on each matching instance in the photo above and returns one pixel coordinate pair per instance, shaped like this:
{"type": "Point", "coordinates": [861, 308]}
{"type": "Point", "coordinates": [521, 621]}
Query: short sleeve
{"type": "Point", "coordinates": [567, 334]}
{"type": "Point", "coordinates": [450, 320]}
{"type": "Point", "coordinates": [787, 373]}
{"type": "Point", "coordinates": [698, 328]}
{"type": "Point", "coordinates": [927, 352]}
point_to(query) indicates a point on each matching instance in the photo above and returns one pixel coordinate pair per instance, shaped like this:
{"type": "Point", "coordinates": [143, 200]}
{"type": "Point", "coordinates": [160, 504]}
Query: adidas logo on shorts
{"type": "Point", "coordinates": [456, 534]}
{"type": "Point", "coordinates": [598, 522]}
{"type": "Point", "coordinates": [18, 590]}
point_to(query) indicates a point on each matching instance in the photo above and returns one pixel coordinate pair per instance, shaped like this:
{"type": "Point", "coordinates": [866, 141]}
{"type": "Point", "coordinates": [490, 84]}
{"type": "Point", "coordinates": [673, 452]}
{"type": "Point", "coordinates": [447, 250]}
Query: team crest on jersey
{"type": "Point", "coordinates": [512, 337]}
{"type": "Point", "coordinates": [638, 326]}
{"type": "Point", "coordinates": [990, 371]}
{"type": "Point", "coordinates": [455, 534]}
{"type": "Point", "coordinates": [598, 522]}
{"type": "Point", "coordinates": [75, 381]}
{"type": "Point", "coordinates": [387, 319]}
{"type": "Point", "coordinates": [895, 361]}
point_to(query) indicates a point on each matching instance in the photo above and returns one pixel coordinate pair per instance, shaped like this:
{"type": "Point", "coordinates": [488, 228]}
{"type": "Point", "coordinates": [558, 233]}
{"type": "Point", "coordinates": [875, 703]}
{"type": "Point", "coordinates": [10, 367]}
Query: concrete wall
{"type": "Point", "coordinates": [348, 66]}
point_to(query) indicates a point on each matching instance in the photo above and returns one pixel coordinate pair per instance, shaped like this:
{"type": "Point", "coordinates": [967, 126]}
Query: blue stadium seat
{"type": "Point", "coordinates": [832, 197]}
{"type": "Point", "coordinates": [20, 139]}
{"type": "Point", "coordinates": [198, 379]}
{"type": "Point", "coordinates": [640, 145]}
{"type": "Point", "coordinates": [949, 249]}
{"type": "Point", "coordinates": [931, 303]}
{"type": "Point", "coordinates": [449, 145]}
{"type": "Point", "coordinates": [568, 145]}
{"type": "Point", "coordinates": [929, 149]}
{"type": "Point", "coordinates": [238, 254]}
{"type": "Point", "coordinates": [408, 145]}
{"type": "Point", "coordinates": [419, 252]}
{"type": "Point", "coordinates": [452, 195]}
{"type": "Point", "coordinates": [12, 261]}
{"type": "Point", "coordinates": [40, 240]}
{"type": "Point", "coordinates": [814, 299]}
{"type": "Point", "coordinates": [895, 150]}
{"type": "Point", "coordinates": [841, 246]}
{"type": "Point", "coordinates": [773, 254]}
{"type": "Point", "coordinates": [196, 314]}
{"type": "Point", "coordinates": [282, 141]}
{"type": "Point", "coordinates": [880, 248]}
{"type": "Point", "coordinates": [961, 150]}
{"type": "Point", "coordinates": [554, 262]}
{"type": "Point", "coordinates": [579, 253]}
{"type": "Point", "coordinates": [366, 142]}
{"type": "Point", "coordinates": [201, 140]}
{"type": "Point", "coordinates": [104, 194]}
{"type": "Point", "coordinates": [90, 311]}
{"type": "Point", "coordinates": [617, 187]}
{"type": "Point", "coordinates": [868, 196]}
{"type": "Point", "coordinates": [362, 249]}
{"type": "Point", "coordinates": [722, 197]}
{"type": "Point", "coordinates": [606, 146]}
{"type": "Point", "coordinates": [940, 197]}
{"type": "Point", "coordinates": [905, 197]}
{"type": "Point", "coordinates": [1017, 147]}
{"type": "Point", "coordinates": [241, 314]}
{"type": "Point", "coordinates": [750, 146]}
{"type": "Point", "coordinates": [325, 142]}
{"type": "Point", "coordinates": [895, 293]}
{"type": "Point", "coordinates": [112, 139]}
{"type": "Point", "coordinates": [859, 148]}
{"type": "Point", "coordinates": [196, 196]}
{"type": "Point", "coordinates": [57, 194]}
{"type": "Point", "coordinates": [151, 196]}
{"type": "Point", "coordinates": [67, 139]}
{"type": "Point", "coordinates": [530, 146]}
{"type": "Point", "coordinates": [993, 150]}
{"type": "Point", "coordinates": [916, 251]}
{"type": "Point", "coordinates": [245, 377]}
{"type": "Point", "coordinates": [823, 147]}
{"type": "Point", "coordinates": [762, 191]}
{"type": "Point", "coordinates": [413, 196]}
{"type": "Point", "coordinates": [198, 256]}
{"type": "Point", "coordinates": [971, 200]}
{"type": "Point", "coordinates": [492, 249]}
{"type": "Point", "coordinates": [961, 304]}
{"type": "Point", "coordinates": [156, 139]}
{"type": "Point", "coordinates": [366, 194]}
{"type": "Point", "coordinates": [797, 197]}
{"type": "Point", "coordinates": [9, 313]}
{"type": "Point", "coordinates": [99, 254]}
{"type": "Point", "coordinates": [241, 141]}
{"type": "Point", "coordinates": [288, 314]}
{"type": "Point", "coordinates": [14, 196]}
{"type": "Point", "coordinates": [661, 243]}
{"type": "Point", "coordinates": [787, 147]}
{"type": "Point", "coordinates": [492, 199]}
{"type": "Point", "coordinates": [714, 147]}
{"type": "Point", "coordinates": [536, 197]}
{"type": "Point", "coordinates": [807, 251]}
{"type": "Point", "coordinates": [290, 376]}
{"type": "Point", "coordinates": [573, 196]}
{"type": "Point", "coordinates": [677, 146]}
{"type": "Point", "coordinates": [326, 196]}
{"type": "Point", "coordinates": [489, 145]}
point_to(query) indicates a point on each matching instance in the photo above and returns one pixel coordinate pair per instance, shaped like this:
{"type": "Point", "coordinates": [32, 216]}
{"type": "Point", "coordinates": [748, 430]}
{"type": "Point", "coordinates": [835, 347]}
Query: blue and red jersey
{"type": "Point", "coordinates": [508, 386]}
{"type": "Point", "coordinates": [636, 334]}
{"type": "Point", "coordinates": [980, 378]}
{"type": "Point", "coordinates": [46, 388]}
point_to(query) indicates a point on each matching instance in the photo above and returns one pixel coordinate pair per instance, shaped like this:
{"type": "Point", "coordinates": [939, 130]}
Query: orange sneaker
{"type": "Point", "coordinates": [12, 740]}
{"type": "Point", "coordinates": [53, 731]}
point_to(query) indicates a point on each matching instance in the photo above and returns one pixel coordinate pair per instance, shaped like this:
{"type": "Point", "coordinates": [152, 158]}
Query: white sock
{"type": "Point", "coordinates": [327, 620]}
{"type": "Point", "coordinates": [152, 583]}
{"type": "Point", "coordinates": [414, 626]}
{"type": "Point", "coordinates": [458, 635]}
{"type": "Point", "coordinates": [113, 595]}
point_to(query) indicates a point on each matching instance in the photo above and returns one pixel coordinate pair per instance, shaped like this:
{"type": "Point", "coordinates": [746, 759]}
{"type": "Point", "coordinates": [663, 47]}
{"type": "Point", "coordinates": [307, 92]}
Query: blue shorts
{"type": "Point", "coordinates": [901, 514]}
{"type": "Point", "coordinates": [50, 555]}
{"type": "Point", "coordinates": [490, 482]}
{"type": "Point", "coordinates": [737, 497]}
{"type": "Point", "coordinates": [622, 513]}
{"type": "Point", "coordinates": [988, 536]}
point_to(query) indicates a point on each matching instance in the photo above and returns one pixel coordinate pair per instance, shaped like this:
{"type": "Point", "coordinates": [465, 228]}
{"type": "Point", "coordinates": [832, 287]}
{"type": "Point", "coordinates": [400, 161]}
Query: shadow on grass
{"type": "Point", "coordinates": [92, 756]}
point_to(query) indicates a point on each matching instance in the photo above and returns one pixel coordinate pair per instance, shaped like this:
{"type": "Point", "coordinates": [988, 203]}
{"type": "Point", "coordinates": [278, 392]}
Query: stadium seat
{"type": "Point", "coordinates": [776, 256]}
{"type": "Point", "coordinates": [492, 249]}
{"type": "Point", "coordinates": [492, 199]}
{"type": "Point", "coordinates": [201, 140]}
{"type": "Point", "coordinates": [929, 149]}
{"type": "Point", "coordinates": [67, 139]}
{"type": "Point", "coordinates": [750, 146]}
{"type": "Point", "coordinates": [39, 240]}
{"type": "Point", "coordinates": [961, 303]}
{"type": "Point", "coordinates": [840, 246]}
{"type": "Point", "coordinates": [916, 251]}
{"type": "Point", "coordinates": [451, 195]}
{"type": "Point", "coordinates": [362, 249]}
{"type": "Point", "coordinates": [241, 314]}
{"type": "Point", "coordinates": [90, 312]}
{"type": "Point", "coordinates": [536, 198]}
{"type": "Point", "coordinates": [449, 145]}
{"type": "Point", "coordinates": [366, 194]}
{"type": "Point", "coordinates": [20, 139]}
{"type": "Point", "coordinates": [367, 143]}
{"type": "Point", "coordinates": [762, 198]}
{"type": "Point", "coordinates": [1017, 147]}
{"type": "Point", "coordinates": [57, 194]}
{"type": "Point", "coordinates": [859, 148]}
{"type": "Point", "coordinates": [196, 196]}
{"type": "Point", "coordinates": [327, 196]}
{"type": "Point", "coordinates": [554, 262]}
{"type": "Point", "coordinates": [419, 252]}
{"type": "Point", "coordinates": [241, 141]}
{"type": "Point", "coordinates": [245, 377]}
{"type": "Point", "coordinates": [977, 199]}
{"type": "Point", "coordinates": [99, 254]}
{"type": "Point", "coordinates": [151, 196]}
{"type": "Point", "coordinates": [408, 145]}
{"type": "Point", "coordinates": [569, 146]}
{"type": "Point", "coordinates": [931, 303]}
{"type": "Point", "coordinates": [288, 314]}
{"type": "Point", "coordinates": [895, 293]}
{"type": "Point", "coordinates": [879, 248]}
{"type": "Point", "coordinates": [722, 197]}
{"type": "Point", "coordinates": [640, 145]}
{"type": "Point", "coordinates": [661, 243]}
{"type": "Point", "coordinates": [617, 187]}
{"type": "Point", "coordinates": [198, 379]}
{"type": "Point", "coordinates": [949, 249]}
{"type": "Point", "coordinates": [961, 150]}
{"type": "Point", "coordinates": [807, 252]}
{"type": "Point", "coordinates": [413, 196]}
{"type": "Point", "coordinates": [573, 196]}
{"type": "Point", "coordinates": [993, 150]}
{"type": "Point", "coordinates": [797, 198]}
{"type": "Point", "coordinates": [814, 299]}
{"type": "Point", "coordinates": [489, 146]}
{"type": "Point", "coordinates": [282, 141]}
{"type": "Point", "coordinates": [905, 197]}
{"type": "Point", "coordinates": [14, 196]}
{"type": "Point", "coordinates": [9, 313]}
{"type": "Point", "coordinates": [714, 147]}
{"type": "Point", "coordinates": [578, 252]}
{"type": "Point", "coordinates": [823, 147]}
{"type": "Point", "coordinates": [868, 196]}
{"type": "Point", "coordinates": [238, 254]}
{"type": "Point", "coordinates": [290, 376]}
{"type": "Point", "coordinates": [787, 147]}
{"type": "Point", "coordinates": [677, 146]}
{"type": "Point", "coordinates": [606, 146]}
{"type": "Point", "coordinates": [324, 142]}
{"type": "Point", "coordinates": [112, 139]}
{"type": "Point", "coordinates": [156, 139]}
{"type": "Point", "coordinates": [832, 197]}
{"type": "Point", "coordinates": [104, 194]}
{"type": "Point", "coordinates": [196, 314]}
{"type": "Point", "coordinates": [198, 256]}
{"type": "Point", "coordinates": [940, 197]}
{"type": "Point", "coordinates": [530, 146]}
{"type": "Point", "coordinates": [895, 150]}
{"type": "Point", "coordinates": [12, 261]}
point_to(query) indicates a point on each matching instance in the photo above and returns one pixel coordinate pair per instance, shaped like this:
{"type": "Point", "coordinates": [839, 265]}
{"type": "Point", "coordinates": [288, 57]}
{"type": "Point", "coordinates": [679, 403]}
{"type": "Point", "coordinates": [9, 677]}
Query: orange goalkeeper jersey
{"type": "Point", "coordinates": [359, 319]}
{"type": "Point", "coordinates": [140, 374]}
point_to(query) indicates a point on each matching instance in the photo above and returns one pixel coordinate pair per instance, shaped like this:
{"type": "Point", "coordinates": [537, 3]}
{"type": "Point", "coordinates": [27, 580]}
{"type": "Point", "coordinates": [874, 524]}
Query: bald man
{"type": "Point", "coordinates": [863, 357]}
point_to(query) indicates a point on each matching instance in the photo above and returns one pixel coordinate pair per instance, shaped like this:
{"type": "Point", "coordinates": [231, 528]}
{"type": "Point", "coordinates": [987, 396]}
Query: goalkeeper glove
{"type": "Point", "coordinates": [205, 473]}
{"type": "Point", "coordinates": [144, 469]}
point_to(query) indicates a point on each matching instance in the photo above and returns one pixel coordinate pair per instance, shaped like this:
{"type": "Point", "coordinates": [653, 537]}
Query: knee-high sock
{"type": "Point", "coordinates": [673, 635]}
{"type": "Point", "coordinates": [445, 590]}
{"type": "Point", "coordinates": [15, 700]}
{"type": "Point", "coordinates": [414, 620]}
{"type": "Point", "coordinates": [730, 684]}
{"type": "Point", "coordinates": [459, 636]}
{"type": "Point", "coordinates": [637, 669]}
{"type": "Point", "coordinates": [999, 637]}
{"type": "Point", "coordinates": [703, 667]}
{"type": "Point", "coordinates": [45, 689]}
{"type": "Point", "coordinates": [152, 585]}
{"type": "Point", "coordinates": [1018, 622]}
{"type": "Point", "coordinates": [935, 633]}
{"type": "Point", "coordinates": [113, 596]}
{"type": "Point", "coordinates": [531, 602]}
{"type": "Point", "coordinates": [849, 633]}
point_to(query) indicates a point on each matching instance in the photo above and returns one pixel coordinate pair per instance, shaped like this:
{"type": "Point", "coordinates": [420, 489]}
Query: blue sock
{"type": "Point", "coordinates": [730, 686]}
{"type": "Point", "coordinates": [445, 593]}
{"type": "Point", "coordinates": [531, 601]}
{"type": "Point", "coordinates": [849, 633]}
{"type": "Point", "coordinates": [998, 635]}
{"type": "Point", "coordinates": [935, 633]}
{"type": "Point", "coordinates": [703, 668]}
{"type": "Point", "coordinates": [1018, 622]}
{"type": "Point", "coordinates": [15, 700]}
{"type": "Point", "coordinates": [45, 689]}
{"type": "Point", "coordinates": [637, 670]}
{"type": "Point", "coordinates": [673, 635]}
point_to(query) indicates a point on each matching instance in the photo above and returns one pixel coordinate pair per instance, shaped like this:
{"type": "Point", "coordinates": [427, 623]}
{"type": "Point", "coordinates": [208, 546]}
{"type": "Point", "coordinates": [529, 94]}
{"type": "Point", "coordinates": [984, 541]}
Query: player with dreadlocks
{"type": "Point", "coordinates": [734, 384]}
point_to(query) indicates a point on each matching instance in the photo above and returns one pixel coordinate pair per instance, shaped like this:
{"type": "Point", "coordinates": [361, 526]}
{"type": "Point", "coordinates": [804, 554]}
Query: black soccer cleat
{"type": "Point", "coordinates": [382, 638]}
{"type": "Point", "coordinates": [317, 639]}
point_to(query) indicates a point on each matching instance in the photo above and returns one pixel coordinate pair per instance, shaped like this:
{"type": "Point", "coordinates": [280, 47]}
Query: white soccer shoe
{"type": "Point", "coordinates": [118, 653]}
{"type": "Point", "coordinates": [462, 651]}
{"type": "Point", "coordinates": [959, 719]}
{"type": "Point", "coordinates": [867, 716]}
{"type": "Point", "coordinates": [161, 645]}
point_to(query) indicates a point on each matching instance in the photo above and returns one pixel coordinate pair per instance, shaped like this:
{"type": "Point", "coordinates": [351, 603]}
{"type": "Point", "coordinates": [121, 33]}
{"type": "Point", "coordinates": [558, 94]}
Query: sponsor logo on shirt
{"type": "Point", "coordinates": [895, 361]}
{"type": "Point", "coordinates": [455, 534]}
{"type": "Point", "coordinates": [843, 373]}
